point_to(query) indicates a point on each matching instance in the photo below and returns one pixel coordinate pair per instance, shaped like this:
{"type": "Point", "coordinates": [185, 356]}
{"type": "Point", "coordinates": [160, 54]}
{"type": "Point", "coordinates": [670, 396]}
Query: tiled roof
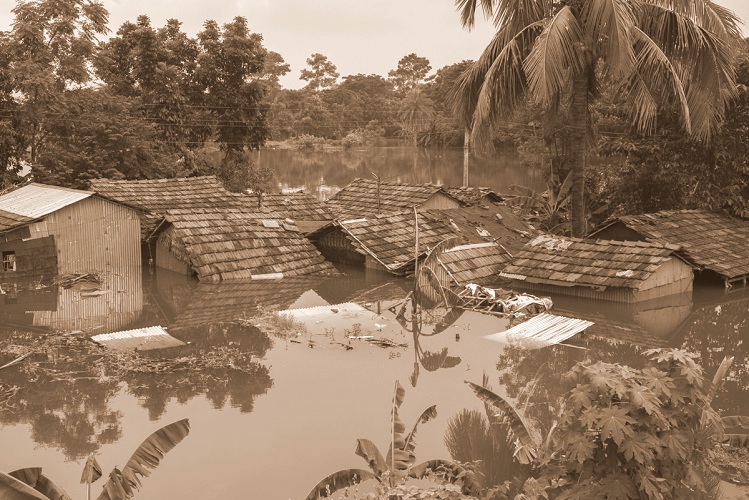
{"type": "Point", "coordinates": [474, 263]}
{"type": "Point", "coordinates": [156, 196]}
{"type": "Point", "coordinates": [598, 263]}
{"type": "Point", "coordinates": [359, 198]}
{"type": "Point", "coordinates": [710, 240]}
{"type": "Point", "coordinates": [298, 206]}
{"type": "Point", "coordinates": [234, 243]}
{"type": "Point", "coordinates": [37, 200]}
{"type": "Point", "coordinates": [10, 220]}
{"type": "Point", "coordinates": [473, 195]}
{"type": "Point", "coordinates": [389, 238]}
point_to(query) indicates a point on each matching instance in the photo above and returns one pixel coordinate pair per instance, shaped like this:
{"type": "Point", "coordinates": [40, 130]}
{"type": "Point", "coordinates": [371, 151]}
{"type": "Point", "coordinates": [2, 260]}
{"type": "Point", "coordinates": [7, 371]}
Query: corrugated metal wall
{"type": "Point", "coordinates": [93, 235]}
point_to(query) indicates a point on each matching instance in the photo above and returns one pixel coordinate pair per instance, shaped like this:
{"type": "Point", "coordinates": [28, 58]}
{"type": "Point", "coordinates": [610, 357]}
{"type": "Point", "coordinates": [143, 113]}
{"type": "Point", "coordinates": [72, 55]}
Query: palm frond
{"type": "Point", "coordinates": [608, 23]}
{"type": "Point", "coordinates": [557, 53]}
{"type": "Point", "coordinates": [467, 9]}
{"type": "Point", "coordinates": [653, 79]}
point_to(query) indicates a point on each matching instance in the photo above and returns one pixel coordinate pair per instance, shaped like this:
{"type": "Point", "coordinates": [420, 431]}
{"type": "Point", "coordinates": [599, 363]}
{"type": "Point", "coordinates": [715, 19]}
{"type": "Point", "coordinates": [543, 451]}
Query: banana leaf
{"type": "Point", "coordinates": [736, 431]}
{"type": "Point", "coordinates": [14, 489]}
{"type": "Point", "coordinates": [720, 374]}
{"type": "Point", "coordinates": [339, 480]}
{"type": "Point", "coordinates": [518, 428]}
{"type": "Point", "coordinates": [146, 457]}
{"type": "Point", "coordinates": [369, 452]}
{"type": "Point", "coordinates": [91, 471]}
{"type": "Point", "coordinates": [397, 459]}
{"type": "Point", "coordinates": [33, 477]}
{"type": "Point", "coordinates": [457, 474]}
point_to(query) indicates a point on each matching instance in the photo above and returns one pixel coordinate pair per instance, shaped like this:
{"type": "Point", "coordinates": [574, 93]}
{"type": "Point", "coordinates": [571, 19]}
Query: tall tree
{"type": "Point", "coordinates": [47, 51]}
{"type": "Point", "coordinates": [663, 55]}
{"type": "Point", "coordinates": [410, 73]}
{"type": "Point", "coordinates": [321, 74]}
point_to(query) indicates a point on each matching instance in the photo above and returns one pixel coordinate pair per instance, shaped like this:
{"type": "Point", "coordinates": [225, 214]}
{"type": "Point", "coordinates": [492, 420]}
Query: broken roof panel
{"type": "Point", "coordinates": [541, 331]}
{"type": "Point", "coordinates": [360, 197]}
{"type": "Point", "coordinates": [37, 200]}
{"type": "Point", "coordinates": [141, 339]}
{"type": "Point", "coordinates": [10, 220]}
{"type": "Point", "coordinates": [474, 195]}
{"type": "Point", "coordinates": [597, 263]}
{"type": "Point", "coordinates": [232, 243]}
{"type": "Point", "coordinates": [710, 240]}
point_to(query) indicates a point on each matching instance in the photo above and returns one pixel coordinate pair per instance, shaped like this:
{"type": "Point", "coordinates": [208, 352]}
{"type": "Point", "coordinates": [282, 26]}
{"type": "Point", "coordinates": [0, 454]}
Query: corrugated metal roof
{"type": "Point", "coordinates": [37, 200]}
{"type": "Point", "coordinates": [541, 331]}
{"type": "Point", "coordinates": [142, 339]}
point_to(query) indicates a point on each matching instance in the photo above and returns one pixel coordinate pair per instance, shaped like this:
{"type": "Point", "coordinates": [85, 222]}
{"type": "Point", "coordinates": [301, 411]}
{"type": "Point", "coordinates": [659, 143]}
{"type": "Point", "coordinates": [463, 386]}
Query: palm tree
{"type": "Point", "coordinates": [675, 55]}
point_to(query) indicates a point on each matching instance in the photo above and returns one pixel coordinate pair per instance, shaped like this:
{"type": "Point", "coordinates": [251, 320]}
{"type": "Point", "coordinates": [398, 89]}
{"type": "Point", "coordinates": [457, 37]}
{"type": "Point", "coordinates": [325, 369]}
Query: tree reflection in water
{"type": "Point", "coordinates": [62, 394]}
{"type": "Point", "coordinates": [237, 383]}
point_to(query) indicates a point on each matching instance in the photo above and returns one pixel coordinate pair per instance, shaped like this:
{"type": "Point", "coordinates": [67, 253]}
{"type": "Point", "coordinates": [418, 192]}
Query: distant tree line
{"type": "Point", "coordinates": [152, 102]}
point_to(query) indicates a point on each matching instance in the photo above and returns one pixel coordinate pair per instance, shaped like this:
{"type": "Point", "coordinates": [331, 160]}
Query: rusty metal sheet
{"type": "Point", "coordinates": [141, 339]}
{"type": "Point", "coordinates": [541, 331]}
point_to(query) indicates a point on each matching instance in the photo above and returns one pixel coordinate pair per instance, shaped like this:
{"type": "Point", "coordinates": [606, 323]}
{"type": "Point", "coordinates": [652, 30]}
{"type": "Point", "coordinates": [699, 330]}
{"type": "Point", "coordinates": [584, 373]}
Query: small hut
{"type": "Point", "coordinates": [710, 241]}
{"type": "Point", "coordinates": [620, 271]}
{"type": "Point", "coordinates": [364, 197]}
{"type": "Point", "coordinates": [46, 231]}
{"type": "Point", "coordinates": [224, 244]}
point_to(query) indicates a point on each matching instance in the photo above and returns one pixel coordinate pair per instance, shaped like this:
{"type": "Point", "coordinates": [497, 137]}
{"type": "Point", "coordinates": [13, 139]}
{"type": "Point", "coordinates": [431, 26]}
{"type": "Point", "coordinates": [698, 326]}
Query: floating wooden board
{"type": "Point", "coordinates": [141, 339]}
{"type": "Point", "coordinates": [541, 331]}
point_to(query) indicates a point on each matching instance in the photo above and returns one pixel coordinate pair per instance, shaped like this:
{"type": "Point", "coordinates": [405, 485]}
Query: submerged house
{"type": "Point", "coordinates": [711, 242]}
{"type": "Point", "coordinates": [155, 196]}
{"type": "Point", "coordinates": [387, 241]}
{"type": "Point", "coordinates": [363, 197]}
{"type": "Point", "coordinates": [224, 244]}
{"type": "Point", "coordinates": [620, 271]}
{"type": "Point", "coordinates": [46, 231]}
{"type": "Point", "coordinates": [307, 212]}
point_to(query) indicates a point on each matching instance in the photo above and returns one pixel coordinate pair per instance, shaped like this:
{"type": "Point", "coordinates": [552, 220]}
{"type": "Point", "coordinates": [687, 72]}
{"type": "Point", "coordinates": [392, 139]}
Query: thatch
{"type": "Point", "coordinates": [230, 243]}
{"type": "Point", "coordinates": [710, 240]}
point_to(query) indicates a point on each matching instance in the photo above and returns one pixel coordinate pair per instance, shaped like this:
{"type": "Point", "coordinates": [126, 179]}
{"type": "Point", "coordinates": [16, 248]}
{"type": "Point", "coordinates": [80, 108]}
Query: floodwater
{"type": "Point", "coordinates": [276, 406]}
{"type": "Point", "coordinates": [294, 412]}
{"type": "Point", "coordinates": [325, 172]}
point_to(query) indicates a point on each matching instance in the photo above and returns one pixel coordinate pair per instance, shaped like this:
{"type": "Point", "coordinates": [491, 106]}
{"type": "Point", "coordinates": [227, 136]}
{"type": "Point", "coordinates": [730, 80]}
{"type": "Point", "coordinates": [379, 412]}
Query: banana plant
{"type": "Point", "coordinates": [31, 484]}
{"type": "Point", "coordinates": [396, 466]}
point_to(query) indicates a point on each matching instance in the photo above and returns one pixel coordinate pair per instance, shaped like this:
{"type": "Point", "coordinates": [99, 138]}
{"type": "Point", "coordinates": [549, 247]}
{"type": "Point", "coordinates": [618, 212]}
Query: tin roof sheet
{"type": "Point", "coordinates": [541, 331]}
{"type": "Point", "coordinates": [141, 339]}
{"type": "Point", "coordinates": [37, 200]}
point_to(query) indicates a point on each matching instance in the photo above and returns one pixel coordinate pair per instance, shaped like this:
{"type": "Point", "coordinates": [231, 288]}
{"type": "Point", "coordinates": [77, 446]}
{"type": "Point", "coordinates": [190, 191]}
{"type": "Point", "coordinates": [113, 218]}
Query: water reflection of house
{"type": "Point", "coordinates": [363, 197]}
{"type": "Point", "coordinates": [710, 241]}
{"type": "Point", "coordinates": [47, 231]}
{"type": "Point", "coordinates": [110, 304]}
{"type": "Point", "coordinates": [608, 270]}
{"type": "Point", "coordinates": [223, 244]}
{"type": "Point", "coordinates": [387, 241]}
{"type": "Point", "coordinates": [155, 196]}
{"type": "Point", "coordinates": [648, 323]}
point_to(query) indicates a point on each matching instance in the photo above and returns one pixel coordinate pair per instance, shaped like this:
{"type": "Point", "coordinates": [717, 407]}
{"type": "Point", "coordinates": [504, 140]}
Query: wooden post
{"type": "Point", "coordinates": [416, 261]}
{"type": "Point", "coordinates": [466, 154]}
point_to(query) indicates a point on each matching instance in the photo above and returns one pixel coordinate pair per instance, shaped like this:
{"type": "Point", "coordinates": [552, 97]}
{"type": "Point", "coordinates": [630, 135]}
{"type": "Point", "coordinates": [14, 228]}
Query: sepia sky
{"type": "Point", "coordinates": [358, 36]}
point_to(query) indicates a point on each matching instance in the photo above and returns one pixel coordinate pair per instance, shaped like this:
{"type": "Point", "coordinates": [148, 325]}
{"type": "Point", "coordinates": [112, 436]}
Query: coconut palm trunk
{"type": "Point", "coordinates": [579, 152]}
